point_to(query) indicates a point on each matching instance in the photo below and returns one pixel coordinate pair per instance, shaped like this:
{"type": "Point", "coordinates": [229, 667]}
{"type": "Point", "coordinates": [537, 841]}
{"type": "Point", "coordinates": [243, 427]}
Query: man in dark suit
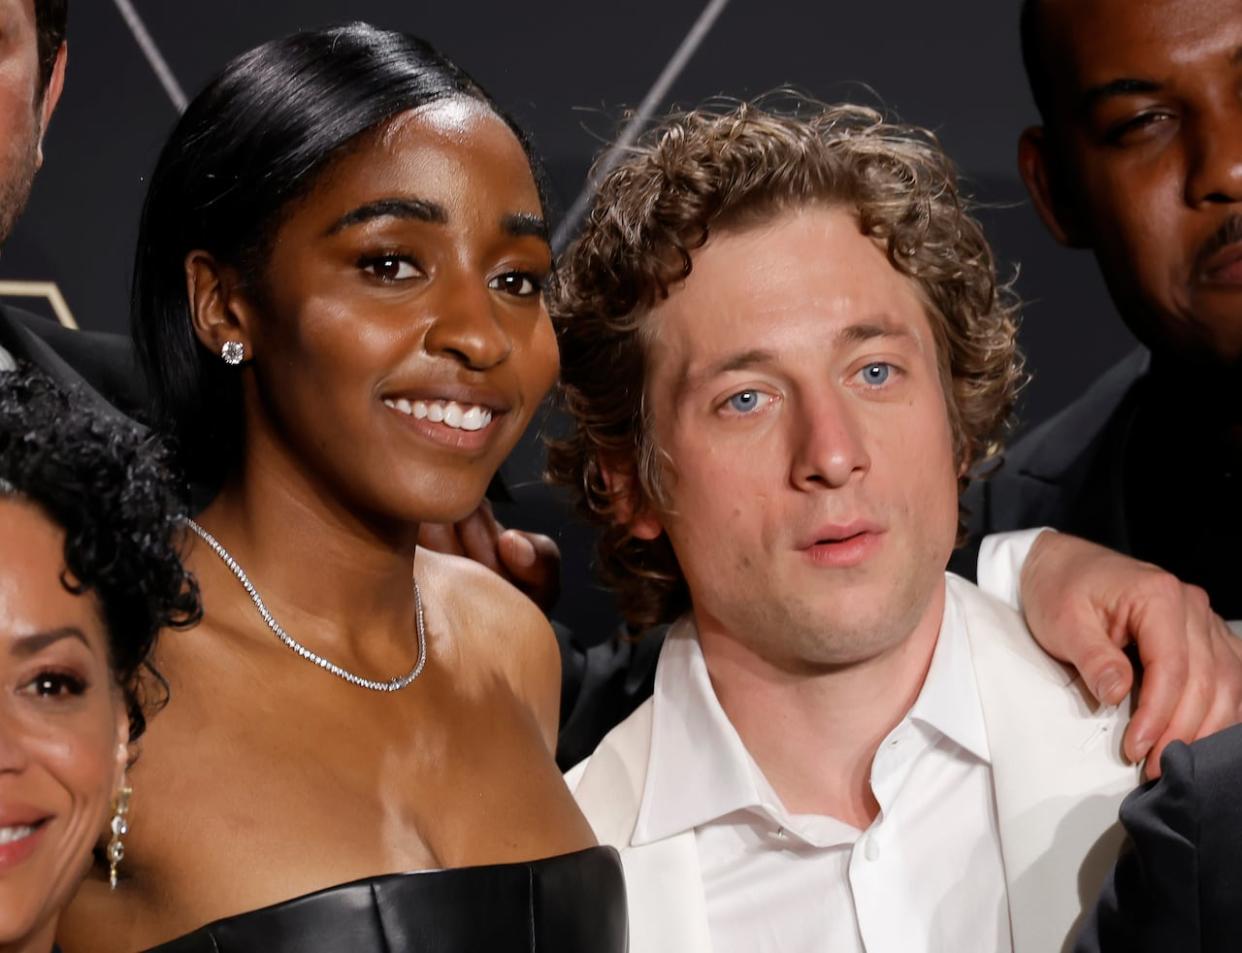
{"type": "Point", "coordinates": [1139, 160]}
{"type": "Point", "coordinates": [33, 55]}
{"type": "Point", "coordinates": [1178, 883]}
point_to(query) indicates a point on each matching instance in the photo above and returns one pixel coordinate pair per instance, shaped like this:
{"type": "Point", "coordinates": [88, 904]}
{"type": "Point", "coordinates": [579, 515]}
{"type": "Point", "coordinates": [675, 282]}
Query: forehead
{"type": "Point", "coordinates": [1101, 40]}
{"type": "Point", "coordinates": [456, 152]}
{"type": "Point", "coordinates": [797, 280]}
{"type": "Point", "coordinates": [32, 558]}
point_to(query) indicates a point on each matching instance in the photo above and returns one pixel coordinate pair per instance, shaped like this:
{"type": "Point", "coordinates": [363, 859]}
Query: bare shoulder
{"type": "Point", "coordinates": [494, 626]}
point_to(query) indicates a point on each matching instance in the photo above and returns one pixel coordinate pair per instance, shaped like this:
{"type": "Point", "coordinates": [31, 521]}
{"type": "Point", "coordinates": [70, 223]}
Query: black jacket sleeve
{"type": "Point", "coordinates": [1150, 902]}
{"type": "Point", "coordinates": [1178, 883]}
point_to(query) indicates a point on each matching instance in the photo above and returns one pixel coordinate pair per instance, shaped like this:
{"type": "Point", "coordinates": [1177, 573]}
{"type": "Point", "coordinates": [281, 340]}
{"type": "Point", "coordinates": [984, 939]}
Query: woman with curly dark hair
{"type": "Point", "coordinates": [88, 575]}
{"type": "Point", "coordinates": [338, 300]}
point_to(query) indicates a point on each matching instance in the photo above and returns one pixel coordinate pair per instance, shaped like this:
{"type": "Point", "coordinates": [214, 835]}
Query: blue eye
{"type": "Point", "coordinates": [876, 374]}
{"type": "Point", "coordinates": [745, 401]}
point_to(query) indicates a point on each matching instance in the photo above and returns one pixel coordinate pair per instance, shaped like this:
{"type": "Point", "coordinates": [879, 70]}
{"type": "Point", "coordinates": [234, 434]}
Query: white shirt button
{"type": "Point", "coordinates": [871, 848]}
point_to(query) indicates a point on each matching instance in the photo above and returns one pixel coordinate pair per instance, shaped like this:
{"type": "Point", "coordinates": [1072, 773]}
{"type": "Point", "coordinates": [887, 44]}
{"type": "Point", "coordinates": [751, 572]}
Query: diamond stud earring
{"type": "Point", "coordinates": [233, 352]}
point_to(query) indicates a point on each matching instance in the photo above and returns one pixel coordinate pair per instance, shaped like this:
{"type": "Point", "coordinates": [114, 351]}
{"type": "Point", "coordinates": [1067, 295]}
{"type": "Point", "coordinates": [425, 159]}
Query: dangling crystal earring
{"type": "Point", "coordinates": [233, 352]}
{"type": "Point", "coordinates": [120, 827]}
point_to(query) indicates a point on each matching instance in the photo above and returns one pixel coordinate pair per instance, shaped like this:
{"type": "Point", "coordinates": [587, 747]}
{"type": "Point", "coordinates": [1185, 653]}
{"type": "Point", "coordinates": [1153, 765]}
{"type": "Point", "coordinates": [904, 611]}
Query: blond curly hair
{"type": "Point", "coordinates": [734, 167]}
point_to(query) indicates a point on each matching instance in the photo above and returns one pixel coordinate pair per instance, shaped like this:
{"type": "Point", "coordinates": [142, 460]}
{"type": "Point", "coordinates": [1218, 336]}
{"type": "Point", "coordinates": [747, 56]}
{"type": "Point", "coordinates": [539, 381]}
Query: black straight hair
{"type": "Point", "coordinates": [255, 140]}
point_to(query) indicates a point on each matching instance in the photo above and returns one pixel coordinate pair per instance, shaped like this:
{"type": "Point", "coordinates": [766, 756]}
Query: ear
{"type": "Point", "coordinates": [1045, 183]}
{"type": "Point", "coordinates": [218, 309]}
{"type": "Point", "coordinates": [51, 96]}
{"type": "Point", "coordinates": [629, 507]}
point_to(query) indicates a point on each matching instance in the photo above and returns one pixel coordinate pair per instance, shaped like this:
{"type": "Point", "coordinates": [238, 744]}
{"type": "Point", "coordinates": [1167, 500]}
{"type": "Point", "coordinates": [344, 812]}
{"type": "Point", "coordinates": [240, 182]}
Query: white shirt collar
{"type": "Point", "coordinates": [7, 363]}
{"type": "Point", "coordinates": [699, 769]}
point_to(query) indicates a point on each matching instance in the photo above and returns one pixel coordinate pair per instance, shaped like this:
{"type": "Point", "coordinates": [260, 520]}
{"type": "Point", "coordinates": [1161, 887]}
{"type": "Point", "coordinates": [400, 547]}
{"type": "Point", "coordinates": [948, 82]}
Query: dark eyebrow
{"type": "Point", "coordinates": [737, 362]}
{"type": "Point", "coordinates": [733, 362]}
{"type": "Point", "coordinates": [417, 209]}
{"type": "Point", "coordinates": [869, 331]}
{"type": "Point", "coordinates": [25, 646]}
{"type": "Point", "coordinates": [1117, 87]}
{"type": "Point", "coordinates": [523, 224]}
{"type": "Point", "coordinates": [852, 334]}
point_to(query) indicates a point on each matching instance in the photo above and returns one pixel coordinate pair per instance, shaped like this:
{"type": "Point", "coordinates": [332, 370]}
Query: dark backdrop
{"type": "Point", "coordinates": [566, 69]}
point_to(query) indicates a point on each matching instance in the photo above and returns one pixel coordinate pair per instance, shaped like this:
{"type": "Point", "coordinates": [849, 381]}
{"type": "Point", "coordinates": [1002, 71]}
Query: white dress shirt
{"type": "Point", "coordinates": [927, 875]}
{"type": "Point", "coordinates": [7, 363]}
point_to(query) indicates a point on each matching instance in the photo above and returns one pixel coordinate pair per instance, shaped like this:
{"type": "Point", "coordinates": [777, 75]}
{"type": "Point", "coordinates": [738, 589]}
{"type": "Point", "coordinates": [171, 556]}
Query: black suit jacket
{"type": "Point", "coordinates": [99, 366]}
{"type": "Point", "coordinates": [1066, 473]}
{"type": "Point", "coordinates": [1178, 883]}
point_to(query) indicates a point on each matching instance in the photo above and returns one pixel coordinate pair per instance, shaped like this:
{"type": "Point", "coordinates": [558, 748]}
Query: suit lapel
{"type": "Point", "coordinates": [1057, 771]}
{"type": "Point", "coordinates": [668, 910]}
{"type": "Point", "coordinates": [27, 346]}
{"type": "Point", "coordinates": [663, 881]}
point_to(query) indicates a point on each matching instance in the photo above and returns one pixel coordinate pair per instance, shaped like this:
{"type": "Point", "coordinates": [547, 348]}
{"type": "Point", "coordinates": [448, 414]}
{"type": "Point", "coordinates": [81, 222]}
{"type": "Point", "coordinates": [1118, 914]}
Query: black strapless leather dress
{"type": "Point", "coordinates": [574, 903]}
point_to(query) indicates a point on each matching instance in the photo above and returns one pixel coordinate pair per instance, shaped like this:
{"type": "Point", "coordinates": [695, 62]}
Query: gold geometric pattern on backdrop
{"type": "Point", "coordinates": [41, 289]}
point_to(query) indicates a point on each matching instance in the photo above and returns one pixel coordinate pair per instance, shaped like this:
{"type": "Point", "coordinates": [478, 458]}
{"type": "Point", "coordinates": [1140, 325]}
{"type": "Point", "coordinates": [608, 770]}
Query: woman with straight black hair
{"type": "Point", "coordinates": [338, 301]}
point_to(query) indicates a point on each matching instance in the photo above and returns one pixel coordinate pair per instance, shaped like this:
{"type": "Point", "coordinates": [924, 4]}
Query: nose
{"type": "Point", "coordinates": [1215, 163]}
{"type": "Point", "coordinates": [14, 755]}
{"type": "Point", "coordinates": [467, 326]}
{"type": "Point", "coordinates": [829, 445]}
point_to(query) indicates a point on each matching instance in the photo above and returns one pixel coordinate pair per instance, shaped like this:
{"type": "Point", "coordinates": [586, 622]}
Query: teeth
{"type": "Point", "coordinates": [10, 834]}
{"type": "Point", "coordinates": [450, 413]}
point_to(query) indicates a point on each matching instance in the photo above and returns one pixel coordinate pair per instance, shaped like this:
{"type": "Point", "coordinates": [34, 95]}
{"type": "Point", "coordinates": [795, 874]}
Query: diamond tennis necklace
{"type": "Point", "coordinates": [391, 685]}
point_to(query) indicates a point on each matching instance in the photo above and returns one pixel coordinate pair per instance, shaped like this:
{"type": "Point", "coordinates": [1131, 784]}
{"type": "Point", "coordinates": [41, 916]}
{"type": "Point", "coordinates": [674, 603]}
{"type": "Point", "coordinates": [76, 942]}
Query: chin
{"type": "Point", "coordinates": [424, 497]}
{"type": "Point", "coordinates": [19, 917]}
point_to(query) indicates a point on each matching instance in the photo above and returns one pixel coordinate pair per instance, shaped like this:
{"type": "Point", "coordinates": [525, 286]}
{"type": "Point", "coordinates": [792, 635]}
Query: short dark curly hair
{"type": "Point", "coordinates": [736, 165]}
{"type": "Point", "coordinates": [105, 481]}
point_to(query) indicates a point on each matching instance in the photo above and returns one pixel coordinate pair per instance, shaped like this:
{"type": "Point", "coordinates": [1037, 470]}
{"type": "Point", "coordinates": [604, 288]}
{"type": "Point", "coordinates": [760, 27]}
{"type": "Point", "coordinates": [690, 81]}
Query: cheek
{"type": "Point", "coordinates": [78, 751]}
{"type": "Point", "coordinates": [719, 498]}
{"type": "Point", "coordinates": [1136, 212]}
{"type": "Point", "coordinates": [922, 457]}
{"type": "Point", "coordinates": [539, 360]}
{"type": "Point", "coordinates": [317, 369]}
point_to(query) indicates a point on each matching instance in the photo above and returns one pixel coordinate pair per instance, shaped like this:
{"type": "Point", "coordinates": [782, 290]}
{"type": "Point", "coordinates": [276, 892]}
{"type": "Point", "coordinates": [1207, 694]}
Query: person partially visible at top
{"type": "Point", "coordinates": [1139, 160]}
{"type": "Point", "coordinates": [34, 56]}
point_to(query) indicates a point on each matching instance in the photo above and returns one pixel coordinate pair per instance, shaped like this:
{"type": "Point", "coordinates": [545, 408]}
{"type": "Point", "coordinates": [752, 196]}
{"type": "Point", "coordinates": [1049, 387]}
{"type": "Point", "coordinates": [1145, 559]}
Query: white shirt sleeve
{"type": "Point", "coordinates": [1001, 558]}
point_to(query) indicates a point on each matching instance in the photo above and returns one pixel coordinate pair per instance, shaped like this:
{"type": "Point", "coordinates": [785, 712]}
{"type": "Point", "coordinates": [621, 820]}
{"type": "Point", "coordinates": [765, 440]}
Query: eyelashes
{"type": "Point", "coordinates": [520, 284]}
{"type": "Point", "coordinates": [393, 267]}
{"type": "Point", "coordinates": [390, 267]}
{"type": "Point", "coordinates": [55, 683]}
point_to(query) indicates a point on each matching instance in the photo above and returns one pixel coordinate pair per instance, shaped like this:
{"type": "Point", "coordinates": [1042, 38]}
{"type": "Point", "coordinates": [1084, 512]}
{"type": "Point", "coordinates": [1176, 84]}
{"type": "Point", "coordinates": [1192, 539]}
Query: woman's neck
{"type": "Point", "coordinates": [315, 561]}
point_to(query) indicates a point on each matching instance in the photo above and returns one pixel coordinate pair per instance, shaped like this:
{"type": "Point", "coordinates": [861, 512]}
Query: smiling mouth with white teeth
{"type": "Point", "coordinates": [10, 835]}
{"type": "Point", "coordinates": [447, 412]}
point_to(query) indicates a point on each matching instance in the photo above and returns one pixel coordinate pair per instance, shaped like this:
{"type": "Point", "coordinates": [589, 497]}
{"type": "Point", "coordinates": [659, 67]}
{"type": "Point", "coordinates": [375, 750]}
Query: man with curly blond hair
{"type": "Point", "coordinates": [784, 348]}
